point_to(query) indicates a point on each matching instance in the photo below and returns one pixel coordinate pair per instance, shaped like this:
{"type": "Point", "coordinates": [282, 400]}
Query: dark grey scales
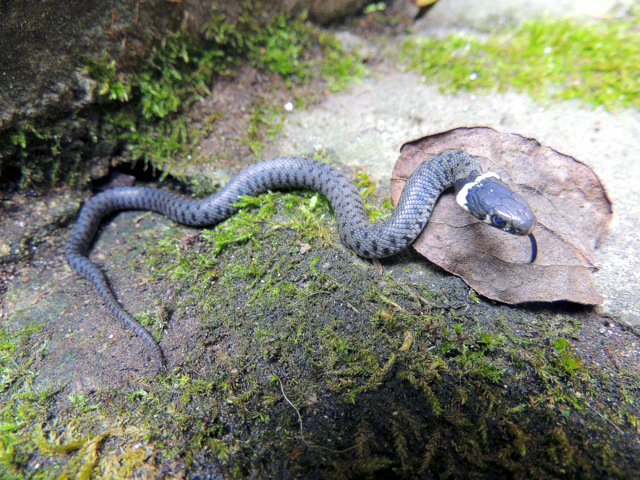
{"type": "Point", "coordinates": [484, 196]}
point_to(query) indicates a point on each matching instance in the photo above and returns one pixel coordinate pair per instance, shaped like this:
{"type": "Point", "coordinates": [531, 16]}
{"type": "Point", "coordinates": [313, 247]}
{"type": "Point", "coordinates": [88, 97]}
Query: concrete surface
{"type": "Point", "coordinates": [486, 15]}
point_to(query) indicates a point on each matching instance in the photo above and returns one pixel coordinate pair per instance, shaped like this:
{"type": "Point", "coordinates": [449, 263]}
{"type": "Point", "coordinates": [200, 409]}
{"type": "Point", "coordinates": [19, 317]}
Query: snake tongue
{"type": "Point", "coordinates": [534, 248]}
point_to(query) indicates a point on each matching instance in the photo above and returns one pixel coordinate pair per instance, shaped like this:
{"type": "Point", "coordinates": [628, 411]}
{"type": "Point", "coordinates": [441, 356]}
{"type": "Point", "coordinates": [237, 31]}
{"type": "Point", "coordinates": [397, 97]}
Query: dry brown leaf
{"type": "Point", "coordinates": [407, 342]}
{"type": "Point", "coordinates": [304, 247]}
{"type": "Point", "coordinates": [567, 197]}
{"type": "Point", "coordinates": [376, 263]}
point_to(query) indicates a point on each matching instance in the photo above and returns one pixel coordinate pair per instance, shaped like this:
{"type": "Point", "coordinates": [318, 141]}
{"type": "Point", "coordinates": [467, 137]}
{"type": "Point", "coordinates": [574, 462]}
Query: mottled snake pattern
{"type": "Point", "coordinates": [422, 189]}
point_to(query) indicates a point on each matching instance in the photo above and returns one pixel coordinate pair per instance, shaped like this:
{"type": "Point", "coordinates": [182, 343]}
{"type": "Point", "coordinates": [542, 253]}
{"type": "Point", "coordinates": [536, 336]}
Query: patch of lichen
{"type": "Point", "coordinates": [143, 107]}
{"type": "Point", "coordinates": [595, 62]}
{"type": "Point", "coordinates": [386, 382]}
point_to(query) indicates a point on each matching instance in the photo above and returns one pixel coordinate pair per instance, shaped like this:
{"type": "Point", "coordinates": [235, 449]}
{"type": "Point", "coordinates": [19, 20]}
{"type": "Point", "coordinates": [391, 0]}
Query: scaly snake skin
{"type": "Point", "coordinates": [450, 168]}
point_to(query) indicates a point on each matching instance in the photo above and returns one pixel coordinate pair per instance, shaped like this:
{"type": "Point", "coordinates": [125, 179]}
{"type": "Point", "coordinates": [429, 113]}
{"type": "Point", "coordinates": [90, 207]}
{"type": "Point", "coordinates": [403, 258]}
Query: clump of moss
{"type": "Point", "coordinates": [141, 110]}
{"type": "Point", "coordinates": [181, 68]}
{"type": "Point", "coordinates": [304, 352]}
{"type": "Point", "coordinates": [598, 62]}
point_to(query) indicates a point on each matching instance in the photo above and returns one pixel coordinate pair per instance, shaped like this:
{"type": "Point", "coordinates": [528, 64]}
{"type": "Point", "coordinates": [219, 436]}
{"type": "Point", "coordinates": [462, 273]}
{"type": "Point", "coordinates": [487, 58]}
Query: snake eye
{"type": "Point", "coordinates": [498, 221]}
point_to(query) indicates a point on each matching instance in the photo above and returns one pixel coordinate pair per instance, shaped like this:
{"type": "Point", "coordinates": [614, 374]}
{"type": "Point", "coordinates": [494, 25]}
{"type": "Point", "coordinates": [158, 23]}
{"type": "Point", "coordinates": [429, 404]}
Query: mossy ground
{"type": "Point", "coordinates": [315, 362]}
{"type": "Point", "coordinates": [305, 359]}
{"type": "Point", "coordinates": [596, 62]}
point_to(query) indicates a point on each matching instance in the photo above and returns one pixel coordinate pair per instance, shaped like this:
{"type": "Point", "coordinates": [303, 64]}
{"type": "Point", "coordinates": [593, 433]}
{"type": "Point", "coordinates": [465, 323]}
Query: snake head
{"type": "Point", "coordinates": [489, 199]}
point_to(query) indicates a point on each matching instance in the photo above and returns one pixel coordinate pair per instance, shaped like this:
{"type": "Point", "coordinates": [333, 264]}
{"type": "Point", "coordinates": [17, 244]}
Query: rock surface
{"type": "Point", "coordinates": [42, 45]}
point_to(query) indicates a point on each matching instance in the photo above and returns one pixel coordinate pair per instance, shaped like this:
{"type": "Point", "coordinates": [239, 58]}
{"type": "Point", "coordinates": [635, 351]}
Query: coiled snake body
{"type": "Point", "coordinates": [484, 196]}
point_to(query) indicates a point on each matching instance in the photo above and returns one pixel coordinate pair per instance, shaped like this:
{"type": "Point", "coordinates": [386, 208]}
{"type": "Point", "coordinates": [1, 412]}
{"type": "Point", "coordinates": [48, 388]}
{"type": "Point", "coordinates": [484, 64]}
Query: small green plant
{"type": "Point", "coordinates": [375, 7]}
{"type": "Point", "coordinates": [111, 84]}
{"type": "Point", "coordinates": [264, 120]}
{"type": "Point", "coordinates": [279, 48]}
{"type": "Point", "coordinates": [566, 360]}
{"type": "Point", "coordinates": [45, 168]}
{"type": "Point", "coordinates": [154, 321]}
{"type": "Point", "coordinates": [340, 68]}
{"type": "Point", "coordinates": [368, 189]}
{"type": "Point", "coordinates": [19, 139]}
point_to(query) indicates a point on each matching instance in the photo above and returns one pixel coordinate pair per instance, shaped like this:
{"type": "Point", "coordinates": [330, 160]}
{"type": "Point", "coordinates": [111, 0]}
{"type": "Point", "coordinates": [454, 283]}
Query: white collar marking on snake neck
{"type": "Point", "coordinates": [461, 198]}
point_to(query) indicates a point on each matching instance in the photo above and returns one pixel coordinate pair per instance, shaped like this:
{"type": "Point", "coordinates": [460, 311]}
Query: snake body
{"type": "Point", "coordinates": [422, 189]}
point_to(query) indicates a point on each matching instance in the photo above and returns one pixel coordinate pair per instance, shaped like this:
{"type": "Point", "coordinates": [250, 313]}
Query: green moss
{"type": "Point", "coordinates": [367, 189]}
{"type": "Point", "coordinates": [155, 321]}
{"type": "Point", "coordinates": [178, 71]}
{"type": "Point", "coordinates": [385, 383]}
{"type": "Point", "coordinates": [280, 49]}
{"type": "Point", "coordinates": [265, 120]}
{"type": "Point", "coordinates": [505, 401]}
{"type": "Point", "coordinates": [339, 68]}
{"type": "Point", "coordinates": [145, 109]}
{"type": "Point", "coordinates": [40, 151]}
{"type": "Point", "coordinates": [110, 83]}
{"type": "Point", "coordinates": [597, 62]}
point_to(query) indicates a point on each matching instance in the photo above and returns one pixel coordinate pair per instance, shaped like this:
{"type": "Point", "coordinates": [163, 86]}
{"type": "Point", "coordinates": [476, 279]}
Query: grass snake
{"type": "Point", "coordinates": [485, 196]}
